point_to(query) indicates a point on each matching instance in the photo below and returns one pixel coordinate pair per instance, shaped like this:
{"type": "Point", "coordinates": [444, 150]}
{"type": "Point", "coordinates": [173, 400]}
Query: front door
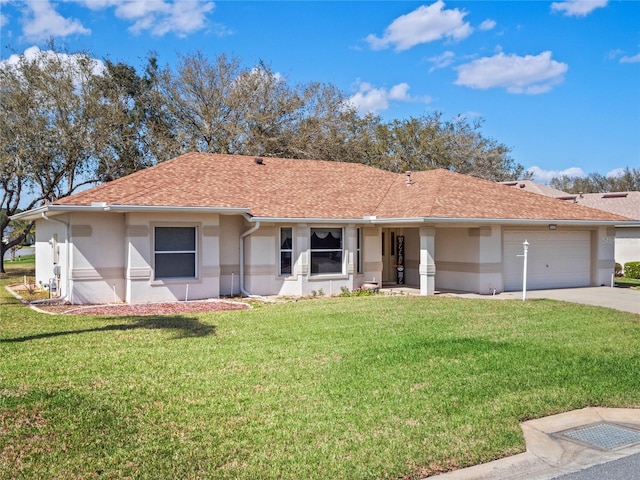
{"type": "Point", "coordinates": [389, 255]}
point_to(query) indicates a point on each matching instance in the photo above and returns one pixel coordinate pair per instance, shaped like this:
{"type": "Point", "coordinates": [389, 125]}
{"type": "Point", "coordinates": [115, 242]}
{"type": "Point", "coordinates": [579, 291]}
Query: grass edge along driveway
{"type": "Point", "coordinates": [342, 388]}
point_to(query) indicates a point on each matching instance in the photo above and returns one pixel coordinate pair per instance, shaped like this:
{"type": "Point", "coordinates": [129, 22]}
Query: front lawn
{"type": "Point", "coordinates": [344, 388]}
{"type": "Point", "coordinates": [627, 282]}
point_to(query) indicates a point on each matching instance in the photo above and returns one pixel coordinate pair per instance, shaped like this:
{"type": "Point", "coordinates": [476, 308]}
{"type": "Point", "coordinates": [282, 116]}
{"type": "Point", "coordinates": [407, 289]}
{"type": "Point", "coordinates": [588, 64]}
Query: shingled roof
{"type": "Point", "coordinates": [620, 203]}
{"type": "Point", "coordinates": [286, 188]}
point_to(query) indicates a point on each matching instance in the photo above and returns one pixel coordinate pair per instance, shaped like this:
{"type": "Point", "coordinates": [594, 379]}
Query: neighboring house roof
{"type": "Point", "coordinates": [626, 204]}
{"type": "Point", "coordinates": [531, 186]}
{"type": "Point", "coordinates": [298, 189]}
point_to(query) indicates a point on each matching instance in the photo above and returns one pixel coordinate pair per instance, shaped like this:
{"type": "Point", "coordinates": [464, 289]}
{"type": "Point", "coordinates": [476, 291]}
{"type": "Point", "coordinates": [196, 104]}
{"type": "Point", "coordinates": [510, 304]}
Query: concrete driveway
{"type": "Point", "coordinates": [625, 299]}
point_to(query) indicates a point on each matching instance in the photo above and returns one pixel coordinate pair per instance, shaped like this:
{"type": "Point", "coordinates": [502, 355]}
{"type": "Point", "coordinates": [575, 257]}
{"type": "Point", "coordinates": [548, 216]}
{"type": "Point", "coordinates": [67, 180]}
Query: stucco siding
{"type": "Point", "coordinates": [627, 245]}
{"type": "Point", "coordinates": [98, 258]}
{"type": "Point", "coordinates": [143, 287]}
{"type": "Point", "coordinates": [51, 236]}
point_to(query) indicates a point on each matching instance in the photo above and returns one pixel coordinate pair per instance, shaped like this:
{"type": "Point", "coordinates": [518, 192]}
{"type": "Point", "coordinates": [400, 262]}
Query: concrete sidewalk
{"type": "Point", "coordinates": [625, 299]}
{"type": "Point", "coordinates": [552, 450]}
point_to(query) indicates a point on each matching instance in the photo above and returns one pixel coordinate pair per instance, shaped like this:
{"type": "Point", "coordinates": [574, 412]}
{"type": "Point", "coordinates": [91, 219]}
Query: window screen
{"type": "Point", "coordinates": [175, 252]}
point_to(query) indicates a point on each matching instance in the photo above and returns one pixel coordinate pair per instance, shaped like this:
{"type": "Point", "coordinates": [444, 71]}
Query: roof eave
{"type": "Point", "coordinates": [36, 213]}
{"type": "Point", "coordinates": [373, 220]}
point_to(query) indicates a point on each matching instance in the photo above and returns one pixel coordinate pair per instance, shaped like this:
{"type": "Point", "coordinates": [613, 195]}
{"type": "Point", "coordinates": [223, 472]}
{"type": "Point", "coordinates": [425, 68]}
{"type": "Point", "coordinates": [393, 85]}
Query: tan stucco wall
{"type": "Point", "coordinates": [98, 258]}
{"type": "Point", "coordinates": [231, 226]}
{"type": "Point", "coordinates": [469, 259]}
{"type": "Point", "coordinates": [45, 232]}
{"type": "Point", "coordinates": [261, 262]}
{"type": "Point", "coordinates": [627, 243]}
{"type": "Point", "coordinates": [142, 287]}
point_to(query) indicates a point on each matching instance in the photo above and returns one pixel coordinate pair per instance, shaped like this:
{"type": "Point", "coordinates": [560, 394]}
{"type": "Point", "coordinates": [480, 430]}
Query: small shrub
{"type": "Point", "coordinates": [359, 292]}
{"type": "Point", "coordinates": [618, 270]}
{"type": "Point", "coordinates": [632, 270]}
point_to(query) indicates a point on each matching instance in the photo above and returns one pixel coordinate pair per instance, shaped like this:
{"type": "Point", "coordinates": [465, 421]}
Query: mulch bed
{"type": "Point", "coordinates": [169, 308]}
{"type": "Point", "coordinates": [166, 308]}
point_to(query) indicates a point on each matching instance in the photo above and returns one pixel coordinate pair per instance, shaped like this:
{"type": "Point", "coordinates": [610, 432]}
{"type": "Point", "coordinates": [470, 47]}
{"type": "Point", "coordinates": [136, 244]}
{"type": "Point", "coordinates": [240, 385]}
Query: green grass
{"type": "Point", "coordinates": [627, 282]}
{"type": "Point", "coordinates": [26, 261]}
{"type": "Point", "coordinates": [344, 388]}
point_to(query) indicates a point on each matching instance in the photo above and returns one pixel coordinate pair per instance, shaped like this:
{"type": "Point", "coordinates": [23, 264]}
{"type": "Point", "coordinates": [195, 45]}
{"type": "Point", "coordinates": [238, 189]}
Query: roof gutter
{"type": "Point", "coordinates": [104, 207]}
{"type": "Point", "coordinates": [242, 237]}
{"type": "Point", "coordinates": [372, 220]}
{"type": "Point", "coordinates": [305, 220]}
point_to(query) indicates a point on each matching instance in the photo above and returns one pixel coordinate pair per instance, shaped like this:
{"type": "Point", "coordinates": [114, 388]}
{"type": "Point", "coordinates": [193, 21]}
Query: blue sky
{"type": "Point", "coordinates": [557, 82]}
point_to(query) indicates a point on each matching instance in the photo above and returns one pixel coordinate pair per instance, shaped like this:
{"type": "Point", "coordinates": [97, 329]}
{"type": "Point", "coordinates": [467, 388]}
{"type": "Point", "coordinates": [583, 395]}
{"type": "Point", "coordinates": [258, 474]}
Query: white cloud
{"type": "Point", "coordinates": [614, 54]}
{"type": "Point", "coordinates": [369, 99]}
{"type": "Point", "coordinates": [400, 92]}
{"type": "Point", "coordinates": [616, 172]}
{"type": "Point", "coordinates": [488, 25]}
{"type": "Point", "coordinates": [423, 25]}
{"type": "Point", "coordinates": [41, 21]}
{"type": "Point", "coordinates": [160, 17]}
{"type": "Point", "coordinates": [531, 74]}
{"type": "Point", "coordinates": [577, 8]}
{"type": "Point", "coordinates": [632, 59]}
{"type": "Point", "coordinates": [441, 61]}
{"type": "Point", "coordinates": [43, 56]}
{"type": "Point", "coordinates": [544, 176]}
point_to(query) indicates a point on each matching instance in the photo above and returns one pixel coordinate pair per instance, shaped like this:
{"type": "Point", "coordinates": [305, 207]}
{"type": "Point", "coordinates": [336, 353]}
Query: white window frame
{"type": "Point", "coordinates": [169, 252]}
{"type": "Point", "coordinates": [326, 250]}
{"type": "Point", "coordinates": [285, 250]}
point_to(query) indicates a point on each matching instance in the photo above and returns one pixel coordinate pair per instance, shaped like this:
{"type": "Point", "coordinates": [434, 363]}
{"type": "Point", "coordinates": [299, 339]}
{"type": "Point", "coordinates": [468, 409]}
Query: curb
{"type": "Point", "coordinates": [550, 454]}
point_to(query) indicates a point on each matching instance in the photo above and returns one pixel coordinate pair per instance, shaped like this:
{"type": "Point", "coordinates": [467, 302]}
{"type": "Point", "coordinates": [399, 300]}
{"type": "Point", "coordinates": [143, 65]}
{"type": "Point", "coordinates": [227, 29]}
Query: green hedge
{"type": "Point", "coordinates": [632, 270]}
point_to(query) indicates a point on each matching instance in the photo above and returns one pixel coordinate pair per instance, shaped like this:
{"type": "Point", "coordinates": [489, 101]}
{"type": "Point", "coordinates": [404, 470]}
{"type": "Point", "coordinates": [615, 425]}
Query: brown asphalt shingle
{"type": "Point", "coordinates": [285, 188]}
{"type": "Point", "coordinates": [621, 203]}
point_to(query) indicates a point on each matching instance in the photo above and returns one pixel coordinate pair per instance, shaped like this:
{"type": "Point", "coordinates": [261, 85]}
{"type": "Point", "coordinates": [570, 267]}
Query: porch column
{"type": "Point", "coordinates": [427, 267]}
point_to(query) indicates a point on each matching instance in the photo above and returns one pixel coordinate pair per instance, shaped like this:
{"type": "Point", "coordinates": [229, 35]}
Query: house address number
{"type": "Point", "coordinates": [608, 240]}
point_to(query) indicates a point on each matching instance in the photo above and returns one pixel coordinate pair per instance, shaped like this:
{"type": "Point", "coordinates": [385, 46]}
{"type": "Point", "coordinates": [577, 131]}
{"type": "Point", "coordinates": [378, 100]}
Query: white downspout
{"type": "Point", "coordinates": [242, 237]}
{"type": "Point", "coordinates": [67, 282]}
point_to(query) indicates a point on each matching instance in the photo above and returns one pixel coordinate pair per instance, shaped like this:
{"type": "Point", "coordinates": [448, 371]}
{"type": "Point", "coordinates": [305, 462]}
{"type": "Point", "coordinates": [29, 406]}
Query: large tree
{"type": "Point", "coordinates": [625, 181]}
{"type": "Point", "coordinates": [69, 121]}
{"type": "Point", "coordinates": [47, 120]}
{"type": "Point", "coordinates": [66, 121]}
{"type": "Point", "coordinates": [430, 142]}
{"type": "Point", "coordinates": [218, 106]}
{"type": "Point", "coordinates": [132, 129]}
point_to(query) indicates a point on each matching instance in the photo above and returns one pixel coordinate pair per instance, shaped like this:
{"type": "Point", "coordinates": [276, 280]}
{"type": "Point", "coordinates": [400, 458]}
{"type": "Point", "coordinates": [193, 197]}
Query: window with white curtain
{"type": "Point", "coordinates": [326, 250]}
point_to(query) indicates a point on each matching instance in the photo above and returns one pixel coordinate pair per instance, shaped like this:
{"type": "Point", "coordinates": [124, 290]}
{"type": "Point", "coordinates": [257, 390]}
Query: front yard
{"type": "Point", "coordinates": [342, 388]}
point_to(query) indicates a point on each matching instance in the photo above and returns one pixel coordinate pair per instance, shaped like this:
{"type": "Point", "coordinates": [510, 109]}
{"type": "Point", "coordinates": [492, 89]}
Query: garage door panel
{"type": "Point", "coordinates": [556, 259]}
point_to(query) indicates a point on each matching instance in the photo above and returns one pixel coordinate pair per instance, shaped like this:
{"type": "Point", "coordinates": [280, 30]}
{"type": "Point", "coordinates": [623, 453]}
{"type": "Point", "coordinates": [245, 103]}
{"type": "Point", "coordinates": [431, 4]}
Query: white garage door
{"type": "Point", "coordinates": [556, 259]}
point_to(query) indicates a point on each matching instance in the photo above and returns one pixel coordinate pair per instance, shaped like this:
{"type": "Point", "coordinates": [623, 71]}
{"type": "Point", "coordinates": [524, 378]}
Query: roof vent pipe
{"type": "Point", "coordinates": [259, 161]}
{"type": "Point", "coordinates": [408, 180]}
